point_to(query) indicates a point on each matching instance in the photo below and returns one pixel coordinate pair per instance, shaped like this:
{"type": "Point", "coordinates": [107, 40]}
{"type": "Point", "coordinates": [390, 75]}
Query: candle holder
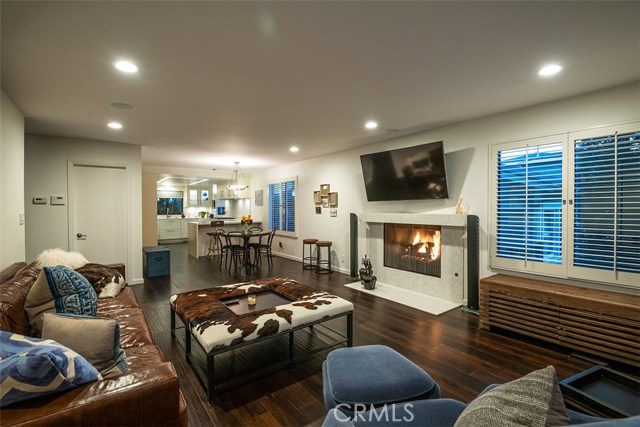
{"type": "Point", "coordinates": [251, 299]}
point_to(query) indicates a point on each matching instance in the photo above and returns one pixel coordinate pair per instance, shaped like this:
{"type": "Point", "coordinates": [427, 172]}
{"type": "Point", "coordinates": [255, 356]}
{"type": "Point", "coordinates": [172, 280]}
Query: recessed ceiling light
{"type": "Point", "coordinates": [114, 125]}
{"type": "Point", "coordinates": [294, 149]}
{"type": "Point", "coordinates": [126, 66]}
{"type": "Point", "coordinates": [121, 105]}
{"type": "Point", "coordinates": [549, 70]}
{"type": "Point", "coordinates": [371, 124]}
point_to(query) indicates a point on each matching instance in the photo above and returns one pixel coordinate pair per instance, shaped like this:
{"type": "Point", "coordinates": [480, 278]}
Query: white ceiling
{"type": "Point", "coordinates": [226, 81]}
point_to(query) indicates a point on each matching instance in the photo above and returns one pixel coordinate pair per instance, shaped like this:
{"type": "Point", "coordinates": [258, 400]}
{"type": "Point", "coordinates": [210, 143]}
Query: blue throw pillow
{"type": "Point", "coordinates": [32, 367]}
{"type": "Point", "coordinates": [60, 290]}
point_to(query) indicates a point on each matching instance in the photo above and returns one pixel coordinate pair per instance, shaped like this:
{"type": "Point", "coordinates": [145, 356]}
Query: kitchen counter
{"type": "Point", "coordinates": [197, 233]}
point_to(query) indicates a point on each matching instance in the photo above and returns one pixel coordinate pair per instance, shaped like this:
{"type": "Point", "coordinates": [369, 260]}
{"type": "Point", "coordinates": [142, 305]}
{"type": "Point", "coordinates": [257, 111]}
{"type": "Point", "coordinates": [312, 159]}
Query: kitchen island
{"type": "Point", "coordinates": [197, 233]}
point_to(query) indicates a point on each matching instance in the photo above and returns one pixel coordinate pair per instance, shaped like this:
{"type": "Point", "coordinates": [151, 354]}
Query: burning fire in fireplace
{"type": "Point", "coordinates": [413, 247]}
{"type": "Point", "coordinates": [429, 243]}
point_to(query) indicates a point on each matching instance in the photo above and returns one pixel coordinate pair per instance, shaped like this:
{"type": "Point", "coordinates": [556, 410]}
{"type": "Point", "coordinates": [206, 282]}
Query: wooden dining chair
{"type": "Point", "coordinates": [223, 249]}
{"type": "Point", "coordinates": [254, 243]}
{"type": "Point", "coordinates": [237, 249]}
{"type": "Point", "coordinates": [265, 248]}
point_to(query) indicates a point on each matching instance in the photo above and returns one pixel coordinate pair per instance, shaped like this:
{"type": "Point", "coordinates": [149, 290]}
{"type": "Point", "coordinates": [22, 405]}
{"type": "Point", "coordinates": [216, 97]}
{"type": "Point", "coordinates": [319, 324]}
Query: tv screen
{"type": "Point", "coordinates": [412, 173]}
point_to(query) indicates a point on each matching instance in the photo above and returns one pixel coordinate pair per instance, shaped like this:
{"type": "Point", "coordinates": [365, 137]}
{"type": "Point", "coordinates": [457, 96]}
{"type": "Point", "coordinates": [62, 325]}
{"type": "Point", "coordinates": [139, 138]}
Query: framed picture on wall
{"type": "Point", "coordinates": [324, 190]}
{"type": "Point", "coordinates": [258, 197]}
{"type": "Point", "coordinates": [317, 198]}
{"type": "Point", "coordinates": [318, 210]}
{"type": "Point", "coordinates": [325, 202]}
{"type": "Point", "coordinates": [333, 199]}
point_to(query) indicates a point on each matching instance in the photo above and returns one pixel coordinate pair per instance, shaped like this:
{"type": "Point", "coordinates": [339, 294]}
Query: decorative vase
{"type": "Point", "coordinates": [245, 227]}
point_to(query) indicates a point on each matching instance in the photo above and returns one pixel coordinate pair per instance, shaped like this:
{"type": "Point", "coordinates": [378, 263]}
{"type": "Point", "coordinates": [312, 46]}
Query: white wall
{"type": "Point", "coordinates": [46, 163]}
{"type": "Point", "coordinates": [12, 238]}
{"type": "Point", "coordinates": [466, 147]}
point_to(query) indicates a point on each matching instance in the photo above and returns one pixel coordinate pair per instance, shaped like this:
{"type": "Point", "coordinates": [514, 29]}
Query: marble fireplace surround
{"type": "Point", "coordinates": [450, 286]}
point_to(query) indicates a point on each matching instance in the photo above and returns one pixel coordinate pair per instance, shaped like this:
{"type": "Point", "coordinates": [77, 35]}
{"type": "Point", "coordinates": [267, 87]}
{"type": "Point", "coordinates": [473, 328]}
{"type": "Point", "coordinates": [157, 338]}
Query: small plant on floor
{"type": "Point", "coordinates": [367, 278]}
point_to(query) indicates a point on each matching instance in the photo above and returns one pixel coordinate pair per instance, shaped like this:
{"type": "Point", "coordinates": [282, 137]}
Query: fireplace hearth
{"type": "Point", "coordinates": [413, 247]}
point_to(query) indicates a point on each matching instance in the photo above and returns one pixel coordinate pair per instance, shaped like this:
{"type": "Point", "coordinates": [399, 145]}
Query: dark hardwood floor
{"type": "Point", "coordinates": [451, 348]}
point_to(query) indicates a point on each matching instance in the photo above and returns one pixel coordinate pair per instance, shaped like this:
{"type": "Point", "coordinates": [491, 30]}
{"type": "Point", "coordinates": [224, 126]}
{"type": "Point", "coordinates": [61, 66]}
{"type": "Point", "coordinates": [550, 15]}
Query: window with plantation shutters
{"type": "Point", "coordinates": [282, 206]}
{"type": "Point", "coordinates": [606, 204]}
{"type": "Point", "coordinates": [568, 205]}
{"type": "Point", "coordinates": [528, 199]}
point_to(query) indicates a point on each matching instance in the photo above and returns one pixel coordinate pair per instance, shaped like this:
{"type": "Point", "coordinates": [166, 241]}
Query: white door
{"type": "Point", "coordinates": [98, 206]}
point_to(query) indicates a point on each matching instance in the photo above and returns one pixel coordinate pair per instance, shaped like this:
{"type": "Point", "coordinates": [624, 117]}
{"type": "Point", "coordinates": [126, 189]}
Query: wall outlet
{"type": "Point", "coordinates": [342, 259]}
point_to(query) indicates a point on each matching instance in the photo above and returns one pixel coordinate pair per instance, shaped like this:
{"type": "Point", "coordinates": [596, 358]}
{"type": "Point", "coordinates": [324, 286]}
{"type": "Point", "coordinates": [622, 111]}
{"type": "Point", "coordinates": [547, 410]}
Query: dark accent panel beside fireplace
{"type": "Point", "coordinates": [413, 247]}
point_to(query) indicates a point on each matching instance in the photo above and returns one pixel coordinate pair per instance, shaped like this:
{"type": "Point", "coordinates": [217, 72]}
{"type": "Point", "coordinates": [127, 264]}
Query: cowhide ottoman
{"type": "Point", "coordinates": [220, 320]}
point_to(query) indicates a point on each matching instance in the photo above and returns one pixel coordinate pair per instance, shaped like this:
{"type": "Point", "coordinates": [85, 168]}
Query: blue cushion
{"type": "Point", "coordinates": [32, 367]}
{"type": "Point", "coordinates": [60, 290]}
{"type": "Point", "coordinates": [71, 291]}
{"type": "Point", "coordinates": [374, 374]}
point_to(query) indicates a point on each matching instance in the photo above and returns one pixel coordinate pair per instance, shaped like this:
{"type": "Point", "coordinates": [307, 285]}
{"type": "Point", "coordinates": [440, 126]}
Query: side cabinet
{"type": "Point", "coordinates": [594, 321]}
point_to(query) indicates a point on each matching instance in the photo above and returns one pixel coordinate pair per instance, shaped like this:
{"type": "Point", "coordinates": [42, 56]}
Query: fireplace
{"type": "Point", "coordinates": [413, 247]}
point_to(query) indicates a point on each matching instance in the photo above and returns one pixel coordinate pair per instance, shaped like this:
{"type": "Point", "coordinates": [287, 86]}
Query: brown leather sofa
{"type": "Point", "coordinates": [147, 395]}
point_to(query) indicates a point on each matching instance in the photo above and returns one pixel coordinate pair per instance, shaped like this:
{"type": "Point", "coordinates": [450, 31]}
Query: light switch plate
{"type": "Point", "coordinates": [58, 200]}
{"type": "Point", "coordinates": [20, 219]}
{"type": "Point", "coordinates": [40, 200]}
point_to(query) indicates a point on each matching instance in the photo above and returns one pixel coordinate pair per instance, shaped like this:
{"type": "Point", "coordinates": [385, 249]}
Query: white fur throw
{"type": "Point", "coordinates": [57, 256]}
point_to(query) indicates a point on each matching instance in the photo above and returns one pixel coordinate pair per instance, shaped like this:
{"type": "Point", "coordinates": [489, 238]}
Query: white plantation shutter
{"type": "Point", "coordinates": [569, 209]}
{"type": "Point", "coordinates": [282, 206]}
{"type": "Point", "coordinates": [606, 203]}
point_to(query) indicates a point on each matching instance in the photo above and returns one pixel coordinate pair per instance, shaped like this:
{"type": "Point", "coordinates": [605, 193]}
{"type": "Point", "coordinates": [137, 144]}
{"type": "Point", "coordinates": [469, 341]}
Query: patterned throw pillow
{"type": "Point", "coordinates": [60, 290]}
{"type": "Point", "coordinates": [534, 400]}
{"type": "Point", "coordinates": [32, 367]}
{"type": "Point", "coordinates": [96, 339]}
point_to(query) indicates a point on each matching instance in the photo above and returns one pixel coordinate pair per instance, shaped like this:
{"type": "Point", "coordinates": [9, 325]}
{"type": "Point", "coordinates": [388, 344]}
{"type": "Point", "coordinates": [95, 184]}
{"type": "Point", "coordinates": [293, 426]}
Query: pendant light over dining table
{"type": "Point", "coordinates": [234, 184]}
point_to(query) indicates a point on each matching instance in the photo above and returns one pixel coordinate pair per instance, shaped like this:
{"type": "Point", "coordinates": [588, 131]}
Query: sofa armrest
{"type": "Point", "coordinates": [145, 397]}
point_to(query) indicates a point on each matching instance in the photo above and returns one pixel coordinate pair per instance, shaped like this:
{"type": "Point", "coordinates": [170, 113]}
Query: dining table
{"type": "Point", "coordinates": [246, 236]}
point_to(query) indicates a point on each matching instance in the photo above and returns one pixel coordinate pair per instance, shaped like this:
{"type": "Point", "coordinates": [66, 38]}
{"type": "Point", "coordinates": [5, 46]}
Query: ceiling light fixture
{"type": "Point", "coordinates": [371, 124]}
{"type": "Point", "coordinates": [234, 184]}
{"type": "Point", "coordinates": [114, 125]}
{"type": "Point", "coordinates": [549, 70]}
{"type": "Point", "coordinates": [294, 149]}
{"type": "Point", "coordinates": [126, 66]}
{"type": "Point", "coordinates": [199, 182]}
{"type": "Point", "coordinates": [121, 105]}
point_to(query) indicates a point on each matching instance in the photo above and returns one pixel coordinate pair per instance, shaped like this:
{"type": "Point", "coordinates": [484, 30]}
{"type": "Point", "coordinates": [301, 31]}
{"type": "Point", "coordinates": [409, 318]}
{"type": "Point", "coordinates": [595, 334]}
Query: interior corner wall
{"type": "Point", "coordinates": [149, 209]}
{"type": "Point", "coordinates": [46, 160]}
{"type": "Point", "coordinates": [12, 233]}
{"type": "Point", "coordinates": [466, 154]}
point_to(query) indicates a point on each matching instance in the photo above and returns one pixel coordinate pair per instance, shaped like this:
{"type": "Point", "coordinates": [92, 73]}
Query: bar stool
{"type": "Point", "coordinates": [213, 248]}
{"type": "Point", "coordinates": [321, 263]}
{"type": "Point", "coordinates": [308, 261]}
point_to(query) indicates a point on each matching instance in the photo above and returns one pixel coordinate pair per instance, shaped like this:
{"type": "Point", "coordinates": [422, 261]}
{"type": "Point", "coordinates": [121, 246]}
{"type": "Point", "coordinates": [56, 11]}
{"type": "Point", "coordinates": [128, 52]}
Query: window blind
{"type": "Point", "coordinates": [607, 202]}
{"type": "Point", "coordinates": [529, 203]}
{"type": "Point", "coordinates": [274, 206]}
{"type": "Point", "coordinates": [282, 206]}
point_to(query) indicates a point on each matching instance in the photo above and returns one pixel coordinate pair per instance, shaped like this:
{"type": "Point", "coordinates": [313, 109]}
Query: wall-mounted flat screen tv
{"type": "Point", "coordinates": [412, 173]}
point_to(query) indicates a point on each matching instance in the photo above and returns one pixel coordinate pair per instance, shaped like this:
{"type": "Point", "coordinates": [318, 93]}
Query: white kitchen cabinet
{"type": "Point", "coordinates": [183, 228]}
{"type": "Point", "coordinates": [169, 229]}
{"type": "Point", "coordinates": [200, 197]}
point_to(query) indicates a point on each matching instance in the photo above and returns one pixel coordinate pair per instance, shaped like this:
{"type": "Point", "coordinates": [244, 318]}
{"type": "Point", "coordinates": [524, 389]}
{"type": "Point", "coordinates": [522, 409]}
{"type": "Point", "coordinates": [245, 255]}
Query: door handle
{"type": "Point", "coordinates": [80, 236]}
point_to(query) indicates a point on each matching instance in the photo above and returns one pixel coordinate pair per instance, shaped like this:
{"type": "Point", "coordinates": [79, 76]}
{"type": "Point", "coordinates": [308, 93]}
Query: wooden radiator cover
{"type": "Point", "coordinates": [593, 321]}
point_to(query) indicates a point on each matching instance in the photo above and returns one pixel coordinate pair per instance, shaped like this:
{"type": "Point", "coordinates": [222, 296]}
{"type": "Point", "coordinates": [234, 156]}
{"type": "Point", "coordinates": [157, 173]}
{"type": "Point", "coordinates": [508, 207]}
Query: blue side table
{"type": "Point", "coordinates": [156, 261]}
